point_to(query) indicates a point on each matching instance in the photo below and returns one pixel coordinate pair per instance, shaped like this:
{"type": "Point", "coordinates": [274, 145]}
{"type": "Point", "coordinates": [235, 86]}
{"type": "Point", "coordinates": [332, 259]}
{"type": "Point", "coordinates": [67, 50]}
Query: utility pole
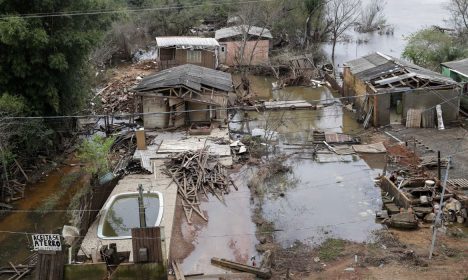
{"type": "Point", "coordinates": [439, 212]}
{"type": "Point", "coordinates": [141, 207]}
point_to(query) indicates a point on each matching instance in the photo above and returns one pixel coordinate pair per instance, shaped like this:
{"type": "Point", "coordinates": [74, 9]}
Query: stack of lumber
{"type": "Point", "coordinates": [195, 173]}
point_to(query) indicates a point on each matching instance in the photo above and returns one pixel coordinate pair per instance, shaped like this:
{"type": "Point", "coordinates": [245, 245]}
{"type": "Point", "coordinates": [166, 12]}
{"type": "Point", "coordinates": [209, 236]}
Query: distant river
{"type": "Point", "coordinates": [406, 16]}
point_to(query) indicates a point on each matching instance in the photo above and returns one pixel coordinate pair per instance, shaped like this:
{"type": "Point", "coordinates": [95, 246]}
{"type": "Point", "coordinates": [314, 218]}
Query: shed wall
{"type": "Point", "coordinates": [155, 105]}
{"type": "Point", "coordinates": [423, 99]}
{"type": "Point", "coordinates": [208, 58]}
{"type": "Point", "coordinates": [259, 50]}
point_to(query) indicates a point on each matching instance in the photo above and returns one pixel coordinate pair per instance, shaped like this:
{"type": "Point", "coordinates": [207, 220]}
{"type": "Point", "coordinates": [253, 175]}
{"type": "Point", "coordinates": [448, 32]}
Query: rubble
{"type": "Point", "coordinates": [195, 173]}
{"type": "Point", "coordinates": [117, 95]}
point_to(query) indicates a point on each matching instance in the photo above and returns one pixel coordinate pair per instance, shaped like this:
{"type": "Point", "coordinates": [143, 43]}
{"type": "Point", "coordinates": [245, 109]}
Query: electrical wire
{"type": "Point", "coordinates": [134, 10]}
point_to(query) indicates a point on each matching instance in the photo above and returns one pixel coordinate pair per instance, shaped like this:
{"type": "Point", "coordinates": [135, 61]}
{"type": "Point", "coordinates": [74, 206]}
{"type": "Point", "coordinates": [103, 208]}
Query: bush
{"type": "Point", "coordinates": [95, 153]}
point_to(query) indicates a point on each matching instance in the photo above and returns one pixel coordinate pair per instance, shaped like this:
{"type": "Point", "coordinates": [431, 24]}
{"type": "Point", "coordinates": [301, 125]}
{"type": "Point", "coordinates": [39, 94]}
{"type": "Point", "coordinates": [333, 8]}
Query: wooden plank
{"type": "Point", "coordinates": [261, 273]}
{"type": "Point", "coordinates": [179, 274]}
{"type": "Point", "coordinates": [50, 267]}
{"type": "Point", "coordinates": [149, 238]}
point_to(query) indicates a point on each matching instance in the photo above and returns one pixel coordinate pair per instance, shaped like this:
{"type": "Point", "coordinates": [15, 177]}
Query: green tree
{"type": "Point", "coordinates": [430, 47]}
{"type": "Point", "coordinates": [44, 58]}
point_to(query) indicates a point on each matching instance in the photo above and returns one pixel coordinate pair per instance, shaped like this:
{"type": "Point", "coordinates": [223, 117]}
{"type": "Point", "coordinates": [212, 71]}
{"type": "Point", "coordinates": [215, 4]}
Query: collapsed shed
{"type": "Point", "coordinates": [390, 90]}
{"type": "Point", "coordinates": [179, 50]}
{"type": "Point", "coordinates": [184, 95]}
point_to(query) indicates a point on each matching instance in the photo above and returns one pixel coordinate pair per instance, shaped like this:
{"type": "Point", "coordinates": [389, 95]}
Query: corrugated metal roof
{"type": "Point", "coordinates": [191, 76]}
{"type": "Point", "coordinates": [233, 31]}
{"type": "Point", "coordinates": [186, 42]}
{"type": "Point", "coordinates": [461, 66]}
{"type": "Point", "coordinates": [375, 65]}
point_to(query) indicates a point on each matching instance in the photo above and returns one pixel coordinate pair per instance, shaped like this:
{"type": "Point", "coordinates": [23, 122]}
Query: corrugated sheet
{"type": "Point", "coordinates": [461, 66]}
{"type": "Point", "coordinates": [191, 76]}
{"type": "Point", "coordinates": [233, 31]}
{"type": "Point", "coordinates": [186, 42]}
{"type": "Point", "coordinates": [375, 65]}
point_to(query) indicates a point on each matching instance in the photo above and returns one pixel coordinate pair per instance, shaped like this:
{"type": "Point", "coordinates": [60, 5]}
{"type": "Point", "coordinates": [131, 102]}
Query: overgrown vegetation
{"type": "Point", "coordinates": [96, 152]}
{"type": "Point", "coordinates": [430, 47]}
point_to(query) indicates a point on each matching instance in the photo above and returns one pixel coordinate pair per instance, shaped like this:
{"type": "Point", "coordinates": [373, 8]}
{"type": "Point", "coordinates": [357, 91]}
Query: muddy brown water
{"type": "Point", "coordinates": [15, 246]}
{"type": "Point", "coordinates": [318, 200]}
{"type": "Point", "coordinates": [229, 233]}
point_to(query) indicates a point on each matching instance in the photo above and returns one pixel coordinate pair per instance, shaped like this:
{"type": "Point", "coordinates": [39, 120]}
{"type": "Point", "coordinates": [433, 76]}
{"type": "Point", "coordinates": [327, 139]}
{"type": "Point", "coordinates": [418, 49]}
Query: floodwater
{"type": "Point", "coordinates": [229, 232]}
{"type": "Point", "coordinates": [316, 200]}
{"type": "Point", "coordinates": [406, 17]}
{"type": "Point", "coordinates": [123, 214]}
{"type": "Point", "coordinates": [14, 243]}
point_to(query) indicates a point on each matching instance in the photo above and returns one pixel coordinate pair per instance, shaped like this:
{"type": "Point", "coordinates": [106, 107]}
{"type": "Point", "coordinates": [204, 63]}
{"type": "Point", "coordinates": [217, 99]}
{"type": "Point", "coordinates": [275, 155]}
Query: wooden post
{"type": "Point", "coordinates": [49, 265]}
{"type": "Point", "coordinates": [141, 207]}
{"type": "Point", "coordinates": [439, 172]}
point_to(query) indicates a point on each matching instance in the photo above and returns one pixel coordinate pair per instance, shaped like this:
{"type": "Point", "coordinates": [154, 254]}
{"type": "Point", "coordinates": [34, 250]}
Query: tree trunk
{"type": "Point", "coordinates": [308, 30]}
{"type": "Point", "coordinates": [333, 54]}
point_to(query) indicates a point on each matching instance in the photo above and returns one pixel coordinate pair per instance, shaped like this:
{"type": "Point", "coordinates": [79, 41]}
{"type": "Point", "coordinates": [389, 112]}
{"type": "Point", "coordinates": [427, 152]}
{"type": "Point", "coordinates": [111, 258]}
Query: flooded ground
{"type": "Point", "coordinates": [14, 241]}
{"type": "Point", "coordinates": [229, 233]}
{"type": "Point", "coordinates": [406, 17]}
{"type": "Point", "coordinates": [318, 200]}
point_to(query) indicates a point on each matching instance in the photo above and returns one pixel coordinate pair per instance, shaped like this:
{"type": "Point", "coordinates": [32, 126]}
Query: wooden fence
{"type": "Point", "coordinates": [49, 266]}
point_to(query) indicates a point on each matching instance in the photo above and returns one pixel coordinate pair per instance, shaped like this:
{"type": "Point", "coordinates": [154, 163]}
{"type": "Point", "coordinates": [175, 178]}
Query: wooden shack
{"type": "Point", "coordinates": [184, 95]}
{"type": "Point", "coordinates": [179, 50]}
{"type": "Point", "coordinates": [387, 90]}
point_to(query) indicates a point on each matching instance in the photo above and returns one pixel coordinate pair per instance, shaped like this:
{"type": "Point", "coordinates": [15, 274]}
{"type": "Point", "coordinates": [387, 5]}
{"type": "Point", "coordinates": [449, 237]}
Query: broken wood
{"type": "Point", "coordinates": [178, 271]}
{"type": "Point", "coordinates": [195, 173]}
{"type": "Point", "coordinates": [259, 272]}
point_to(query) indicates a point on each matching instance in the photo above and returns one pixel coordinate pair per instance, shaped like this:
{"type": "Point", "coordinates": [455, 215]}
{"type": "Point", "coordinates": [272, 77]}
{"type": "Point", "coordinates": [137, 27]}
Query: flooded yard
{"type": "Point", "coordinates": [316, 200]}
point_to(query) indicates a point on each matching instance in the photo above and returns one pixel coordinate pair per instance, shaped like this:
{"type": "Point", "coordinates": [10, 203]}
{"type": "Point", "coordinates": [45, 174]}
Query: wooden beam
{"type": "Point", "coordinates": [261, 273]}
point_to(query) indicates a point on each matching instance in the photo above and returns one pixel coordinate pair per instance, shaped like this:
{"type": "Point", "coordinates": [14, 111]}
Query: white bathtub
{"type": "Point", "coordinates": [129, 212]}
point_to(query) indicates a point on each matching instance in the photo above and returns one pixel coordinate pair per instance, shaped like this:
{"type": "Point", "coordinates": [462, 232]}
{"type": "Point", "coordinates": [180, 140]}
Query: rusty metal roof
{"type": "Point", "coordinates": [191, 76]}
{"type": "Point", "coordinates": [375, 65]}
{"type": "Point", "coordinates": [186, 42]}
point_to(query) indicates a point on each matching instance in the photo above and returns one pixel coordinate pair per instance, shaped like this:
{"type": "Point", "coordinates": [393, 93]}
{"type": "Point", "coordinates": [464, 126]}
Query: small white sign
{"type": "Point", "coordinates": [47, 242]}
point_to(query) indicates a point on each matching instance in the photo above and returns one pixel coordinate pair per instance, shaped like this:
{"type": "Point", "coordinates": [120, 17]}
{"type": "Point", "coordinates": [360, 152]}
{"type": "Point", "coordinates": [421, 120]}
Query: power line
{"type": "Point", "coordinates": [134, 10]}
{"type": "Point", "coordinates": [242, 108]}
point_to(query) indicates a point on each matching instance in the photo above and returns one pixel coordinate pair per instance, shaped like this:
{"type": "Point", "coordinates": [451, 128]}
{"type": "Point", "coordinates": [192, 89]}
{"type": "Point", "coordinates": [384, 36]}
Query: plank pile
{"type": "Point", "coordinates": [195, 173]}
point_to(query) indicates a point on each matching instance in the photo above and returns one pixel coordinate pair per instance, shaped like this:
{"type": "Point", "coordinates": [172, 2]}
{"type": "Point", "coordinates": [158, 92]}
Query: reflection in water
{"type": "Point", "coordinates": [316, 200]}
{"type": "Point", "coordinates": [122, 215]}
{"type": "Point", "coordinates": [331, 200]}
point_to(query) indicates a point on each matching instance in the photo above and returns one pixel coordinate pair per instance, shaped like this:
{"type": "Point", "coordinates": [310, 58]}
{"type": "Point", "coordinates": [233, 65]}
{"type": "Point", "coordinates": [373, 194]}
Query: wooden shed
{"type": "Point", "coordinates": [183, 95]}
{"type": "Point", "coordinates": [387, 90]}
{"type": "Point", "coordinates": [179, 50]}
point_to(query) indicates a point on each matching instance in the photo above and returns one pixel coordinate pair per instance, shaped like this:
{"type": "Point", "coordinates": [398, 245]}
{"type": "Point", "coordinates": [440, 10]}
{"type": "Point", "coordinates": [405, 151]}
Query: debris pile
{"type": "Point", "coordinates": [195, 173]}
{"type": "Point", "coordinates": [116, 95]}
